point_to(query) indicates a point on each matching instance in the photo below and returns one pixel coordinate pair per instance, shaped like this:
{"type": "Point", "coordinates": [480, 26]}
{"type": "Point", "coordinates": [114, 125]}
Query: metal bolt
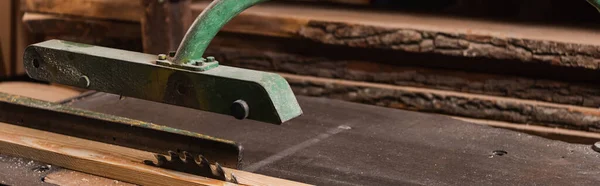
{"type": "Point", "coordinates": [596, 146]}
{"type": "Point", "coordinates": [210, 59]}
{"type": "Point", "coordinates": [240, 109]}
{"type": "Point", "coordinates": [200, 62]}
{"type": "Point", "coordinates": [162, 57]}
{"type": "Point", "coordinates": [84, 81]}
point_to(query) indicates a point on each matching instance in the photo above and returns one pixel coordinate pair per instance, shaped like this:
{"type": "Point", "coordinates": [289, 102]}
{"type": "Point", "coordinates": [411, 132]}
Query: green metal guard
{"type": "Point", "coordinates": [184, 79]}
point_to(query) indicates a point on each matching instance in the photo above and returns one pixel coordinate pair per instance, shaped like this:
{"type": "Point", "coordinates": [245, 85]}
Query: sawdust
{"type": "Point", "coordinates": [22, 171]}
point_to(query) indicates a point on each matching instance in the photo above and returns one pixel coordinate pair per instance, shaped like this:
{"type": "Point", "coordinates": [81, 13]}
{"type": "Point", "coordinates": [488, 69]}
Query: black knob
{"type": "Point", "coordinates": [240, 109]}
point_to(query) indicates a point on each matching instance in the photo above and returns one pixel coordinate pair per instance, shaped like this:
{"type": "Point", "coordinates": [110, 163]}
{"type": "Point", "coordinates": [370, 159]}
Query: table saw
{"type": "Point", "coordinates": [152, 102]}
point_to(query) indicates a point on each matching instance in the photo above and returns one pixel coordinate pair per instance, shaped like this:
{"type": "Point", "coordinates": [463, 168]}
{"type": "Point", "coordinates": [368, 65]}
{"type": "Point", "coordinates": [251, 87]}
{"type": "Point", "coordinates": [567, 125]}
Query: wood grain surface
{"type": "Point", "coordinates": [556, 85]}
{"type": "Point", "coordinates": [66, 177]}
{"type": "Point", "coordinates": [104, 9]}
{"type": "Point", "coordinates": [448, 102]}
{"type": "Point", "coordinates": [38, 91]}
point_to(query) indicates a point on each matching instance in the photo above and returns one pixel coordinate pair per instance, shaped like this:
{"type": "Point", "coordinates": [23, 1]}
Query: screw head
{"type": "Point", "coordinates": [211, 59]}
{"type": "Point", "coordinates": [240, 109]}
{"type": "Point", "coordinates": [162, 57]}
{"type": "Point", "coordinates": [198, 62]}
{"type": "Point", "coordinates": [84, 81]}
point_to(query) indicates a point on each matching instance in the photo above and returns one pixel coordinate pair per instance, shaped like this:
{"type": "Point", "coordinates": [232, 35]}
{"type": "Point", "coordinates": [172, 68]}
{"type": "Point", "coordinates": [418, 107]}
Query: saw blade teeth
{"type": "Point", "coordinates": [220, 173]}
{"type": "Point", "coordinates": [161, 160]}
{"type": "Point", "coordinates": [186, 162]}
{"type": "Point", "coordinates": [233, 179]}
{"type": "Point", "coordinates": [219, 169]}
{"type": "Point", "coordinates": [149, 162]}
{"type": "Point", "coordinates": [204, 162]}
{"type": "Point", "coordinates": [174, 156]}
{"type": "Point", "coordinates": [205, 165]}
{"type": "Point", "coordinates": [188, 157]}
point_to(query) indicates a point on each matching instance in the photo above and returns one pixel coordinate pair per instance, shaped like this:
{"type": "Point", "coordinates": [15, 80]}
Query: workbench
{"type": "Point", "coordinates": [343, 143]}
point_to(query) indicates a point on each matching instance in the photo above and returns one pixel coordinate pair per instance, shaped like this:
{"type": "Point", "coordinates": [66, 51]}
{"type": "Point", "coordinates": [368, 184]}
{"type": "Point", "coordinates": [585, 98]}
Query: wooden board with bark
{"type": "Point", "coordinates": [405, 32]}
{"type": "Point", "coordinates": [450, 103]}
{"type": "Point", "coordinates": [332, 62]}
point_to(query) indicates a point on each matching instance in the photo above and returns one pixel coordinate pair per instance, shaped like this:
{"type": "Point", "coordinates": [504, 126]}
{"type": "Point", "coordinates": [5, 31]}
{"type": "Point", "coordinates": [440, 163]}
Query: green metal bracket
{"type": "Point", "coordinates": [194, 65]}
{"type": "Point", "coordinates": [183, 78]}
{"type": "Point", "coordinates": [206, 27]}
{"type": "Point", "coordinates": [243, 93]}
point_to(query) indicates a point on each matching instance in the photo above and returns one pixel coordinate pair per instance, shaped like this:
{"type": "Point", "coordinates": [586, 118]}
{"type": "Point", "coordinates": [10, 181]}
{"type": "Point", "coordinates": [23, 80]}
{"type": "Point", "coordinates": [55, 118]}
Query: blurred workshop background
{"type": "Point", "coordinates": [519, 62]}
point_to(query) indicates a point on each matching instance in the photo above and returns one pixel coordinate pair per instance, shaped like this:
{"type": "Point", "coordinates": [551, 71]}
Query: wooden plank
{"type": "Point", "coordinates": [350, 2]}
{"type": "Point", "coordinates": [317, 61]}
{"type": "Point", "coordinates": [52, 24]}
{"type": "Point", "coordinates": [414, 33]}
{"type": "Point", "coordinates": [369, 21]}
{"type": "Point", "coordinates": [556, 46]}
{"type": "Point", "coordinates": [38, 91]}
{"type": "Point", "coordinates": [5, 38]}
{"type": "Point", "coordinates": [115, 34]}
{"type": "Point", "coordinates": [164, 24]}
{"type": "Point", "coordinates": [73, 178]}
{"type": "Point", "coordinates": [106, 160]}
{"type": "Point", "coordinates": [86, 156]}
{"type": "Point", "coordinates": [541, 11]}
{"type": "Point", "coordinates": [104, 9]}
{"type": "Point", "coordinates": [449, 102]}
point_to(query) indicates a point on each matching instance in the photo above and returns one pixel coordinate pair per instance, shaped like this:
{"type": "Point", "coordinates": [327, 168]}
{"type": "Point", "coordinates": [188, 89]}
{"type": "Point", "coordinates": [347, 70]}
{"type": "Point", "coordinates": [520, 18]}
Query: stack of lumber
{"type": "Point", "coordinates": [533, 62]}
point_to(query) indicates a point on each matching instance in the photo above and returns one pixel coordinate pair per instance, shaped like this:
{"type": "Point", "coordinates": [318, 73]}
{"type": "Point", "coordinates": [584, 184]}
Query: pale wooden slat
{"type": "Point", "coordinates": [106, 160]}
{"type": "Point", "coordinates": [125, 10]}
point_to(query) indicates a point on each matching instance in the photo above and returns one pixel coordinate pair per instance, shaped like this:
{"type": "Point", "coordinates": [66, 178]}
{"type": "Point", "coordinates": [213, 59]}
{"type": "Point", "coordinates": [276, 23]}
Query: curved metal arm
{"type": "Point", "coordinates": [206, 26]}
{"type": "Point", "coordinates": [595, 3]}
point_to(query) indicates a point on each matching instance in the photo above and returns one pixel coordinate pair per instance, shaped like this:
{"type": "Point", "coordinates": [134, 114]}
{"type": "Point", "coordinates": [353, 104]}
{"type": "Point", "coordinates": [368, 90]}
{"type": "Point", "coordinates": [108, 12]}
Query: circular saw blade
{"type": "Point", "coordinates": [192, 164]}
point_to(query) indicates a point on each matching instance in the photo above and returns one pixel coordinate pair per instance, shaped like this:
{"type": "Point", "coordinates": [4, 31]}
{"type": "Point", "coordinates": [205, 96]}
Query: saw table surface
{"type": "Point", "coordinates": [342, 143]}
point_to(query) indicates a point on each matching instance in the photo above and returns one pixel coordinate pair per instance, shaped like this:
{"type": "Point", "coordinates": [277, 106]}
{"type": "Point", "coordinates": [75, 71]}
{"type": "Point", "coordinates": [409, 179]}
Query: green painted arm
{"type": "Point", "coordinates": [200, 84]}
{"type": "Point", "coordinates": [255, 95]}
{"type": "Point", "coordinates": [206, 26]}
{"type": "Point", "coordinates": [595, 3]}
